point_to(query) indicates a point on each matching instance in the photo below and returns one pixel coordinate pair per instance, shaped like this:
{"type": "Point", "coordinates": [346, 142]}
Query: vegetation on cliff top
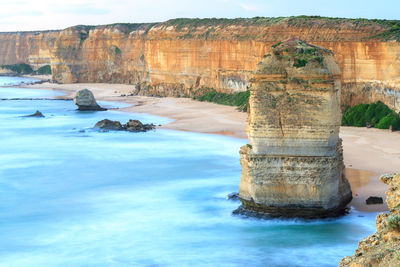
{"type": "Point", "coordinates": [239, 99]}
{"type": "Point", "coordinates": [299, 52]}
{"type": "Point", "coordinates": [380, 29]}
{"type": "Point", "coordinates": [387, 29]}
{"type": "Point", "coordinates": [376, 115]}
{"type": "Point", "coordinates": [390, 31]}
{"type": "Point", "coordinates": [181, 23]}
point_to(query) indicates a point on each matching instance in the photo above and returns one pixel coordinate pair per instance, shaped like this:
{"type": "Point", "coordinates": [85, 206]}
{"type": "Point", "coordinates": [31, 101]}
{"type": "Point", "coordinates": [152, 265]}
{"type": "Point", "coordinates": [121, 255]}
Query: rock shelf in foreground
{"type": "Point", "coordinates": [381, 249]}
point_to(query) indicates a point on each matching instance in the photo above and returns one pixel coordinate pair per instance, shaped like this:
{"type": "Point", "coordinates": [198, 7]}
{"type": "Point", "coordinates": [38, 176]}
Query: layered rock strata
{"type": "Point", "coordinates": [293, 164]}
{"type": "Point", "coordinates": [382, 248]}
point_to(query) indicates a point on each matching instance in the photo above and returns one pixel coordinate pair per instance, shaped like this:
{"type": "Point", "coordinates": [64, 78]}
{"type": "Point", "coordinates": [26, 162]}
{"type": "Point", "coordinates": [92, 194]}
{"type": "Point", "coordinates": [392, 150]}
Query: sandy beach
{"type": "Point", "coordinates": [368, 153]}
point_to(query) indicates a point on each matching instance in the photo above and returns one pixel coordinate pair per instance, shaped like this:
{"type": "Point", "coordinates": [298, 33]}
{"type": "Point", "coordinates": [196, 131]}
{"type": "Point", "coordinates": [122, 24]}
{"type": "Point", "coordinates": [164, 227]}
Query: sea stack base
{"type": "Point", "coordinates": [291, 186]}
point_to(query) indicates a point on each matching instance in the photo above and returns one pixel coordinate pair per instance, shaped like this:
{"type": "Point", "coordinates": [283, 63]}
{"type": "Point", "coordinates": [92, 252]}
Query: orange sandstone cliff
{"type": "Point", "coordinates": [184, 57]}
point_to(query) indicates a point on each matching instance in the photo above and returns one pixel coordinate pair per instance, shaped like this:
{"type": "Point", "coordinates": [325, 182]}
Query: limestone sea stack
{"type": "Point", "coordinates": [293, 165]}
{"type": "Point", "coordinates": [85, 100]}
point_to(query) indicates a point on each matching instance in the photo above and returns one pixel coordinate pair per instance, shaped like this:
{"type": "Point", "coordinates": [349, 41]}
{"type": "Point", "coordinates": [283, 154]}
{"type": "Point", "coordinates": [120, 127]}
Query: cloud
{"type": "Point", "coordinates": [250, 7]}
{"type": "Point", "coordinates": [84, 10]}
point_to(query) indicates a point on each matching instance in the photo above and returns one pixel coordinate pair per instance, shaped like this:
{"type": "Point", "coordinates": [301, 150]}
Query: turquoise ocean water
{"type": "Point", "coordinates": [72, 196]}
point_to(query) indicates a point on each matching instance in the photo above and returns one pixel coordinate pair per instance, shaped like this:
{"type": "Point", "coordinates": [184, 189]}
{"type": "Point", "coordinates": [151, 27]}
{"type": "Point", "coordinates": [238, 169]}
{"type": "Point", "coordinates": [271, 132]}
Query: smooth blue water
{"type": "Point", "coordinates": [8, 81]}
{"type": "Point", "coordinates": [72, 196]}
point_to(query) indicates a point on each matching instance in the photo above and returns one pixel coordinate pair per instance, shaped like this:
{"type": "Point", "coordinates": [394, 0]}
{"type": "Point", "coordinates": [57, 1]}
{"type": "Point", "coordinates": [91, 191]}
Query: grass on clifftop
{"type": "Point", "coordinates": [376, 115]}
{"type": "Point", "coordinates": [237, 99]}
{"type": "Point", "coordinates": [390, 28]}
{"type": "Point", "coordinates": [394, 222]}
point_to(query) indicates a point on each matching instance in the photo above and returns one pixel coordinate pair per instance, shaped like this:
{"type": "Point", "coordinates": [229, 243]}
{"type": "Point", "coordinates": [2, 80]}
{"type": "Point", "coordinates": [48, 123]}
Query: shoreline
{"type": "Point", "coordinates": [368, 153]}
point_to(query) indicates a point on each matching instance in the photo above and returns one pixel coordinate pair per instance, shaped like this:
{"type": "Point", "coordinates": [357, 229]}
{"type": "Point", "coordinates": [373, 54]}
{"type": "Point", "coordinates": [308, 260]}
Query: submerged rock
{"type": "Point", "coordinates": [85, 100]}
{"type": "Point", "coordinates": [293, 165]}
{"type": "Point", "coordinates": [108, 125]}
{"type": "Point", "coordinates": [233, 196]}
{"type": "Point", "coordinates": [374, 200]}
{"type": "Point", "coordinates": [382, 248]}
{"type": "Point", "coordinates": [36, 114]}
{"type": "Point", "coordinates": [131, 126]}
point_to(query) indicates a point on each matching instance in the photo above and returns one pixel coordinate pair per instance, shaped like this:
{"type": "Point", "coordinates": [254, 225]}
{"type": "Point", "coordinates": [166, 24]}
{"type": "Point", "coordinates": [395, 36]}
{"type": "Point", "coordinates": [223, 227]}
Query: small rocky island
{"type": "Point", "coordinates": [293, 165]}
{"type": "Point", "coordinates": [131, 126]}
{"type": "Point", "coordinates": [85, 100]}
{"type": "Point", "coordinates": [37, 114]}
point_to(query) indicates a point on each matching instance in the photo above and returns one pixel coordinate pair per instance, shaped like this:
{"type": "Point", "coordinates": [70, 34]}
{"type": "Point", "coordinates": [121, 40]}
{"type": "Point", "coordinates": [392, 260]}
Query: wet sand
{"type": "Point", "coordinates": [368, 153]}
{"type": "Point", "coordinates": [363, 185]}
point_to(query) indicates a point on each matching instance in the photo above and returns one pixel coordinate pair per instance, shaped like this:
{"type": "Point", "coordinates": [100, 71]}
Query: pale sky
{"type": "Point", "coordinates": [23, 15]}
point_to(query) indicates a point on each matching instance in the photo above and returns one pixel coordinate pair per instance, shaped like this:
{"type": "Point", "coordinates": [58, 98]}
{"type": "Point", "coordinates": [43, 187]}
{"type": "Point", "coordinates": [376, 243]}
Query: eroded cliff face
{"type": "Point", "coordinates": [185, 57]}
{"type": "Point", "coordinates": [33, 48]}
{"type": "Point", "coordinates": [381, 249]}
{"type": "Point", "coordinates": [293, 165]}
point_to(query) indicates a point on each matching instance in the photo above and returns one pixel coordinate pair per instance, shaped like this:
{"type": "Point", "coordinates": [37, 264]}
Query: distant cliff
{"type": "Point", "coordinates": [184, 57]}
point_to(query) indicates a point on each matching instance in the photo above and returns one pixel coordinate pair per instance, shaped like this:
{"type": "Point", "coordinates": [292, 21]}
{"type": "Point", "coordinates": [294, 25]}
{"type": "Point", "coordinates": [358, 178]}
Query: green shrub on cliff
{"type": "Point", "coordinates": [377, 115]}
{"type": "Point", "coordinates": [45, 70]}
{"type": "Point", "coordinates": [394, 222]}
{"type": "Point", "coordinates": [237, 99]}
{"type": "Point", "coordinates": [355, 116]}
{"type": "Point", "coordinates": [21, 68]}
{"type": "Point", "coordinates": [389, 120]}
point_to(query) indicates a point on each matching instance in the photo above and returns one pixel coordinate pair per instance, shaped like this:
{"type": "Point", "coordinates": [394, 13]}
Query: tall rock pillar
{"type": "Point", "coordinates": [293, 165]}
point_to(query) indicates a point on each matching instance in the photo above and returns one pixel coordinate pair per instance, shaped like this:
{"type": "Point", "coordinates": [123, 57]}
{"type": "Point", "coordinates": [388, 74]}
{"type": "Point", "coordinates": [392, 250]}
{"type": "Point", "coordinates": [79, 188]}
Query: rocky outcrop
{"type": "Point", "coordinates": [131, 126]}
{"type": "Point", "coordinates": [36, 114]}
{"type": "Point", "coordinates": [137, 126]}
{"type": "Point", "coordinates": [381, 249]}
{"type": "Point", "coordinates": [85, 100]}
{"type": "Point", "coordinates": [374, 200]}
{"type": "Point", "coordinates": [293, 164]}
{"type": "Point", "coordinates": [184, 57]}
{"type": "Point", "coordinates": [107, 125]}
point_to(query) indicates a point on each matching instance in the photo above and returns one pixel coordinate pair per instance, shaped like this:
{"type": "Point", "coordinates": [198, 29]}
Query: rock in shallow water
{"type": "Point", "coordinates": [108, 125]}
{"type": "Point", "coordinates": [131, 126]}
{"type": "Point", "coordinates": [85, 100]}
{"type": "Point", "coordinates": [36, 114]}
{"type": "Point", "coordinates": [233, 196]}
{"type": "Point", "coordinates": [137, 126]}
{"type": "Point", "coordinates": [374, 200]}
